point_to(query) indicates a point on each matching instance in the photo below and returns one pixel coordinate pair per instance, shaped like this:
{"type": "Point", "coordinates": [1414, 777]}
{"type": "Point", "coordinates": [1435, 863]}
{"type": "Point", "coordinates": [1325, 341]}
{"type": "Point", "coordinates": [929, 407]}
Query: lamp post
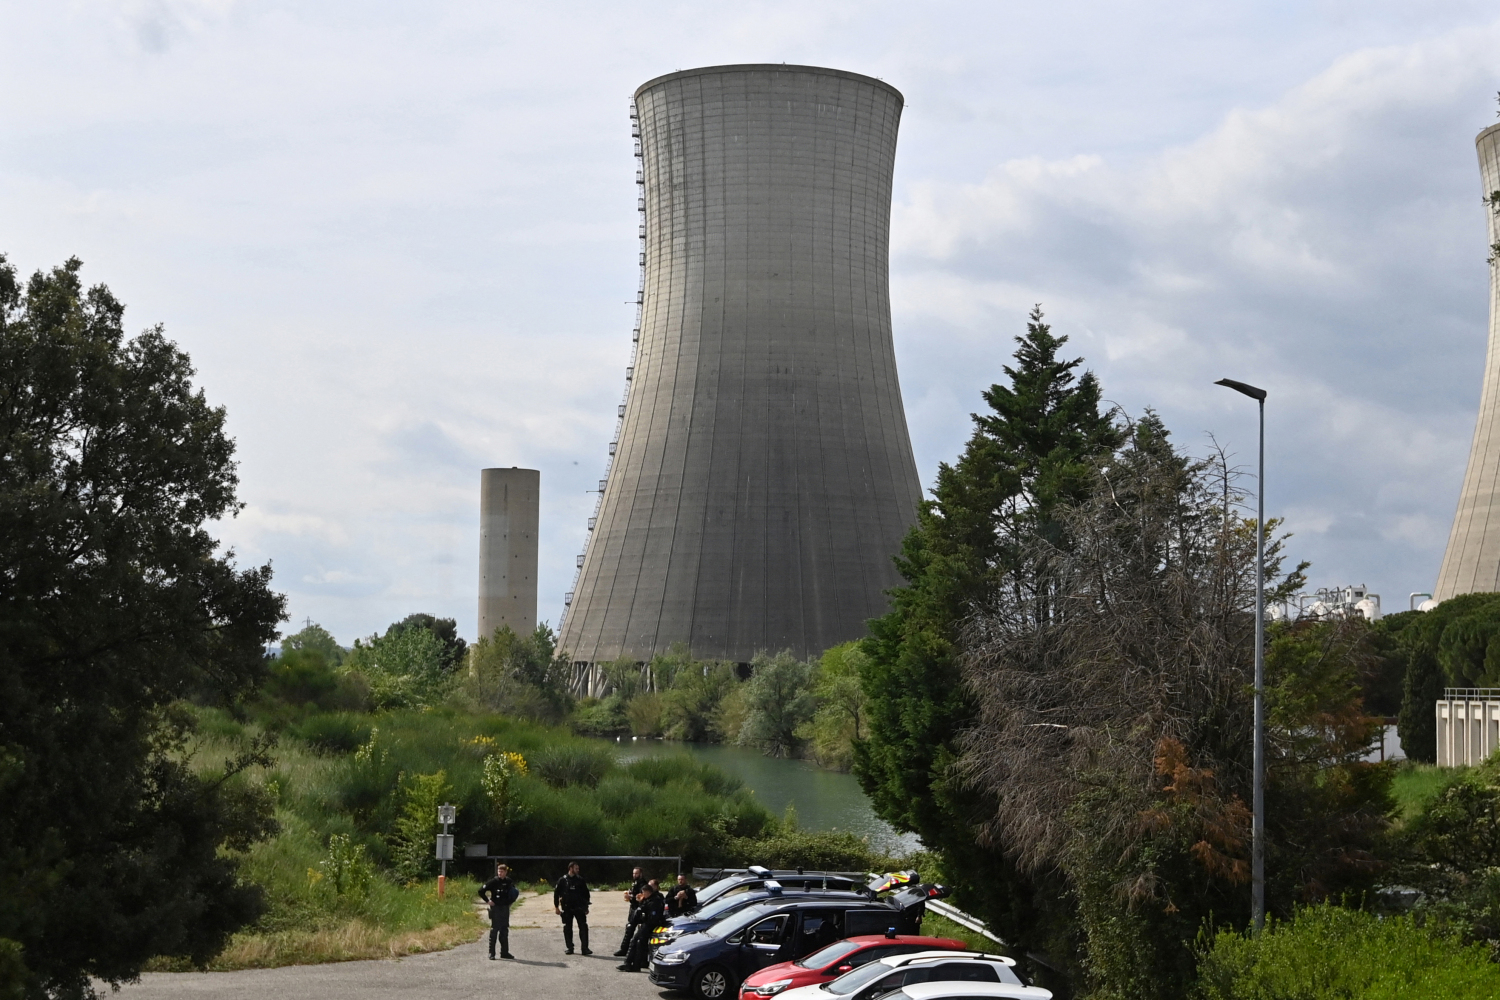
{"type": "Point", "coordinates": [1258, 779]}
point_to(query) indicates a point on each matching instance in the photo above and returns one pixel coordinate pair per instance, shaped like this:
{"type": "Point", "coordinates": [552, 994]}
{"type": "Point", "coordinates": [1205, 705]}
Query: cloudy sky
{"type": "Point", "coordinates": [398, 241]}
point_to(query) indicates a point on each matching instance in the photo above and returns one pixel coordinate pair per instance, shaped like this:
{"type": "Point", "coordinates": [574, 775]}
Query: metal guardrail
{"type": "Point", "coordinates": [963, 919]}
{"type": "Point", "coordinates": [578, 857]}
{"type": "Point", "coordinates": [1471, 694]}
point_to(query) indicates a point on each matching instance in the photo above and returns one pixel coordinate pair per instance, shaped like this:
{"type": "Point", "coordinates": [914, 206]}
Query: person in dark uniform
{"type": "Point", "coordinates": [651, 914]}
{"type": "Point", "coordinates": [682, 898]}
{"type": "Point", "coordinates": [637, 886]}
{"type": "Point", "coordinates": [570, 900]}
{"type": "Point", "coordinates": [499, 892]}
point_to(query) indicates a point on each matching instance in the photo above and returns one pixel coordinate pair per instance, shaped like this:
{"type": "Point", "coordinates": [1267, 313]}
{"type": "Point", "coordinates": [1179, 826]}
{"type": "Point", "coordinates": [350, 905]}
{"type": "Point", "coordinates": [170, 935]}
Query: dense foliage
{"type": "Point", "coordinates": [1456, 644]}
{"type": "Point", "coordinates": [115, 606]}
{"type": "Point", "coordinates": [1114, 722]}
{"type": "Point", "coordinates": [1327, 952]}
{"type": "Point", "coordinates": [1030, 454]}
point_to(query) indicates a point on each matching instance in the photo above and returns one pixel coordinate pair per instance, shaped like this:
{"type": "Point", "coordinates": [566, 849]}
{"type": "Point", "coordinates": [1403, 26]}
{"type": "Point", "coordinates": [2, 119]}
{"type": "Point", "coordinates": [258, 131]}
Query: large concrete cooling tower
{"type": "Point", "coordinates": [762, 476]}
{"type": "Point", "coordinates": [1472, 562]}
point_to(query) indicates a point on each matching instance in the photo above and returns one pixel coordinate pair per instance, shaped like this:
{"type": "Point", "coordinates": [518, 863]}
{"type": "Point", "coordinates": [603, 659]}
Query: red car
{"type": "Point", "coordinates": [829, 962]}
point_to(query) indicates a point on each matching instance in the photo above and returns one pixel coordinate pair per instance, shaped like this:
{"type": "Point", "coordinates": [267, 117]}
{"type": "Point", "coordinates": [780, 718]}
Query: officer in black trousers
{"type": "Point", "coordinates": [637, 886]}
{"type": "Point", "coordinates": [499, 892]}
{"type": "Point", "coordinates": [651, 913]}
{"type": "Point", "coordinates": [570, 900]}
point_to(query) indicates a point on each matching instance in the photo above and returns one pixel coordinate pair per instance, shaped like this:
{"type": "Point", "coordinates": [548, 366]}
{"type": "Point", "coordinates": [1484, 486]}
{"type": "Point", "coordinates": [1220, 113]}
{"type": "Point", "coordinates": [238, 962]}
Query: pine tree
{"type": "Point", "coordinates": [1029, 454]}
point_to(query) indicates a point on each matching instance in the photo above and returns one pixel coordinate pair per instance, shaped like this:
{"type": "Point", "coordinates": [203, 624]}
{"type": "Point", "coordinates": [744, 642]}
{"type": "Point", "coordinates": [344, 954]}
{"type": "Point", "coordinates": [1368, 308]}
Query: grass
{"type": "Point", "coordinates": [388, 922]}
{"type": "Point", "coordinates": [345, 877]}
{"type": "Point", "coordinates": [1415, 785]}
{"type": "Point", "coordinates": [348, 874]}
{"type": "Point", "coordinates": [936, 925]}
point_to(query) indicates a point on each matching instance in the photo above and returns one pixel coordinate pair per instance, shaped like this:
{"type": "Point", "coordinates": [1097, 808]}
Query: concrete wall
{"type": "Point", "coordinates": [764, 475]}
{"type": "Point", "coordinates": [1472, 561]}
{"type": "Point", "coordinates": [508, 519]}
{"type": "Point", "coordinates": [1468, 730]}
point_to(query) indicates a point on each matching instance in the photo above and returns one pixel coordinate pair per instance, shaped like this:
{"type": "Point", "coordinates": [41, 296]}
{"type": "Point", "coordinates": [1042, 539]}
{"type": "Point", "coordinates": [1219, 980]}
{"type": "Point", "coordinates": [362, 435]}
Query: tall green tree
{"type": "Point", "coordinates": [115, 603]}
{"type": "Point", "coordinates": [1030, 453]}
{"type": "Point", "coordinates": [778, 701]}
{"type": "Point", "coordinates": [445, 630]}
{"type": "Point", "coordinates": [1456, 644]}
{"type": "Point", "coordinates": [519, 675]}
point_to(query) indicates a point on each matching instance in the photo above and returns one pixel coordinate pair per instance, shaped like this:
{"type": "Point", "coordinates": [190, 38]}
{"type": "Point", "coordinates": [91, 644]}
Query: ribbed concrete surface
{"type": "Point", "coordinates": [1472, 562]}
{"type": "Point", "coordinates": [764, 475]}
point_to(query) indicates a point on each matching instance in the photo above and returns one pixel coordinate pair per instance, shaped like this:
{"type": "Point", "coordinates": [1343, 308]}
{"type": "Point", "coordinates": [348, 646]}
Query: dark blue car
{"type": "Point", "coordinates": [706, 916]}
{"type": "Point", "coordinates": [711, 963]}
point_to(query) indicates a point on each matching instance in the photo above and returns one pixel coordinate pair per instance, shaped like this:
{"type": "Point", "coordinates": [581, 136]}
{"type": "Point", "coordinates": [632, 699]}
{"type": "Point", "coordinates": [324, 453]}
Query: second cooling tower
{"type": "Point", "coordinates": [1471, 563]}
{"type": "Point", "coordinates": [763, 475]}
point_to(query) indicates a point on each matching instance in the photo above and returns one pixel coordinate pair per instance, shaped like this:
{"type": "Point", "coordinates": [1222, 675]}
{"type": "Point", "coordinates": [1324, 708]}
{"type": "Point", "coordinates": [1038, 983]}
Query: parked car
{"type": "Point", "coordinates": [733, 880]}
{"type": "Point", "coordinates": [827, 964]}
{"type": "Point", "coordinates": [969, 991]}
{"type": "Point", "coordinates": [895, 972]}
{"type": "Point", "coordinates": [706, 916]}
{"type": "Point", "coordinates": [759, 888]}
{"type": "Point", "coordinates": [712, 963]}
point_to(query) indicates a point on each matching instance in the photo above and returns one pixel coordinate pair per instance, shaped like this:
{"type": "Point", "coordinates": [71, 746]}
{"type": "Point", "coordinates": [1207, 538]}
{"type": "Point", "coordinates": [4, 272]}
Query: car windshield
{"type": "Point", "coordinates": [716, 889]}
{"type": "Point", "coordinates": [862, 976]}
{"type": "Point", "coordinates": [719, 907]}
{"type": "Point", "coordinates": [739, 921]}
{"type": "Point", "coordinates": [827, 956]}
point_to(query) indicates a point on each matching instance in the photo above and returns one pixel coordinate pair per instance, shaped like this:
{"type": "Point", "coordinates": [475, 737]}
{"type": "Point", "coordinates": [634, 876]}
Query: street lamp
{"type": "Point", "coordinates": [1258, 779]}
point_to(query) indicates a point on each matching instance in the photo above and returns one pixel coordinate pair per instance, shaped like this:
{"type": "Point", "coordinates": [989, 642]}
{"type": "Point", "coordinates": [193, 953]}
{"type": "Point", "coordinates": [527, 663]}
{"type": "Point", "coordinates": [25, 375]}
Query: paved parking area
{"type": "Point", "coordinates": [541, 970]}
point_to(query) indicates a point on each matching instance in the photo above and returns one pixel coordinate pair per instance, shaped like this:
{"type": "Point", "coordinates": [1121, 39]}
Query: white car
{"type": "Point", "coordinates": [969, 991]}
{"type": "Point", "coordinates": [955, 971]}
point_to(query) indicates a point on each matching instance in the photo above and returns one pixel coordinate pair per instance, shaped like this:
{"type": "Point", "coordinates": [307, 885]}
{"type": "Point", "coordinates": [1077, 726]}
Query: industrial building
{"type": "Point", "coordinates": [761, 477]}
{"type": "Point", "coordinates": [1471, 563]}
{"type": "Point", "coordinates": [509, 504]}
{"type": "Point", "coordinates": [1468, 726]}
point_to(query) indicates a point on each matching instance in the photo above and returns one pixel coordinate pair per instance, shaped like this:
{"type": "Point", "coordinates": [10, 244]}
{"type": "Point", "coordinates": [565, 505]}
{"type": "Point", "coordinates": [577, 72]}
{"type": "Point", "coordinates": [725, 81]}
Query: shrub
{"type": "Point", "coordinates": [566, 764]}
{"type": "Point", "coordinates": [645, 713]}
{"type": "Point", "coordinates": [826, 850]}
{"type": "Point", "coordinates": [778, 701]}
{"type": "Point", "coordinates": [601, 717]}
{"type": "Point", "coordinates": [333, 732]}
{"type": "Point", "coordinates": [1330, 953]}
{"type": "Point", "coordinates": [690, 704]}
{"type": "Point", "coordinates": [412, 842]}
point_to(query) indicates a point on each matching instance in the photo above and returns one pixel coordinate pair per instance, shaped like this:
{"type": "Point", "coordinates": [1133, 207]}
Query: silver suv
{"type": "Point", "coordinates": [959, 969]}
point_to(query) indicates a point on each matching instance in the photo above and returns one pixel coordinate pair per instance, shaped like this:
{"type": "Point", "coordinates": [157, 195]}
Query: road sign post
{"type": "Point", "coordinates": [446, 816]}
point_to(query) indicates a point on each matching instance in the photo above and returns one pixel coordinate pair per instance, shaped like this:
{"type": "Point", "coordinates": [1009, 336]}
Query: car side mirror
{"type": "Point", "coordinates": [844, 968]}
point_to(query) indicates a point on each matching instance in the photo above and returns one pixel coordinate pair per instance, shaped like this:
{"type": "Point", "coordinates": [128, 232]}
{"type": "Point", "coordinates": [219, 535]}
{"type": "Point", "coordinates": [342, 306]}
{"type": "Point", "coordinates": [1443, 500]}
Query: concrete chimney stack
{"type": "Point", "coordinates": [508, 519]}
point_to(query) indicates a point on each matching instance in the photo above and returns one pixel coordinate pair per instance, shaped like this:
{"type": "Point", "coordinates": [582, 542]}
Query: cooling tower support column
{"type": "Point", "coordinates": [763, 477]}
{"type": "Point", "coordinates": [508, 517]}
{"type": "Point", "coordinates": [1472, 561]}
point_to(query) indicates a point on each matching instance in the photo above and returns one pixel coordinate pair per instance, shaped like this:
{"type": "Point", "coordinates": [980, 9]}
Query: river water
{"type": "Point", "coordinates": [824, 800]}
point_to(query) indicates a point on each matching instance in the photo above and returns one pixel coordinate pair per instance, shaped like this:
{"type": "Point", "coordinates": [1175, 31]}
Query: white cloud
{"type": "Point", "coordinates": [398, 241]}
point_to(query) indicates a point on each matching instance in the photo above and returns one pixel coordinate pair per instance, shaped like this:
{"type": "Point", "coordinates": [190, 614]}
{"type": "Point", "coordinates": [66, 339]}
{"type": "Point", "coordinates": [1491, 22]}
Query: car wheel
{"type": "Point", "coordinates": [712, 983]}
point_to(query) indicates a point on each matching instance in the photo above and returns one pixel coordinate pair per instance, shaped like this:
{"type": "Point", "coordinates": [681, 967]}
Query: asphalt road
{"type": "Point", "coordinates": [540, 969]}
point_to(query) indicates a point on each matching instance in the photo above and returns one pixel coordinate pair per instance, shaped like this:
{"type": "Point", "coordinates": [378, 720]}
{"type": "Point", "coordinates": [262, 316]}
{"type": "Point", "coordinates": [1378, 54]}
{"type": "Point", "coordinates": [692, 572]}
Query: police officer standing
{"type": "Point", "coordinates": [499, 892]}
{"type": "Point", "coordinates": [651, 911]}
{"type": "Point", "coordinates": [682, 898]}
{"type": "Point", "coordinates": [637, 886]}
{"type": "Point", "coordinates": [570, 900]}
